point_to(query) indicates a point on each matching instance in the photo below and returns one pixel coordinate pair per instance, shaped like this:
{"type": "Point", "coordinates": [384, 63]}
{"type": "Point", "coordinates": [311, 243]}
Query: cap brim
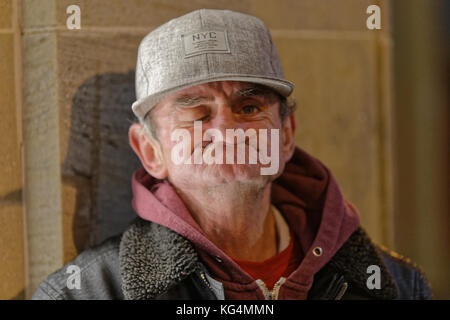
{"type": "Point", "coordinates": [142, 106]}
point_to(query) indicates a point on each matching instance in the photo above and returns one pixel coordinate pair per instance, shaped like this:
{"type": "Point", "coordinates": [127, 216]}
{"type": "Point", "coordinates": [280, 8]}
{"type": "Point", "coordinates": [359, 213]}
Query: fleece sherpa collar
{"type": "Point", "coordinates": [153, 258]}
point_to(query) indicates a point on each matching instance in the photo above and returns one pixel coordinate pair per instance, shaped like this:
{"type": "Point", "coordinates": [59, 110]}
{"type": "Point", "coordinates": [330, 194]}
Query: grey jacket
{"type": "Point", "coordinates": [150, 261]}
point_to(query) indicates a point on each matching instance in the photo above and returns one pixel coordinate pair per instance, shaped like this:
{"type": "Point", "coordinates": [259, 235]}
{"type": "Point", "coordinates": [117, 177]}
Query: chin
{"type": "Point", "coordinates": [219, 174]}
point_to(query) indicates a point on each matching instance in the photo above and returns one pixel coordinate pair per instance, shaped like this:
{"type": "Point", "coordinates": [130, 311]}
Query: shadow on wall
{"type": "Point", "coordinates": [100, 162]}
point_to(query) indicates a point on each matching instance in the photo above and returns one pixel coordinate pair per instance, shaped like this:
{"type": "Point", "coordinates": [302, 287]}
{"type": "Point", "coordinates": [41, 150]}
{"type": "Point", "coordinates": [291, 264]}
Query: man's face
{"type": "Point", "coordinates": [219, 106]}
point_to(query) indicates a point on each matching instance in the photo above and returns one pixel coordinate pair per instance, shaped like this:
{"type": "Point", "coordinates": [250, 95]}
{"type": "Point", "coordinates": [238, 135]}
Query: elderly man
{"type": "Point", "coordinates": [229, 207]}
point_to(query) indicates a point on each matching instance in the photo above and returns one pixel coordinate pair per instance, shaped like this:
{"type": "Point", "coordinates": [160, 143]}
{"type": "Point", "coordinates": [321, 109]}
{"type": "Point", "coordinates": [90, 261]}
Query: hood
{"type": "Point", "coordinates": [306, 194]}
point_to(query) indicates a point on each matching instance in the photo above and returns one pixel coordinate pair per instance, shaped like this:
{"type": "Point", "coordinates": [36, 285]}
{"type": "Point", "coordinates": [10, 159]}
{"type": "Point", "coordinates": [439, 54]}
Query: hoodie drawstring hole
{"type": "Point", "coordinates": [317, 251]}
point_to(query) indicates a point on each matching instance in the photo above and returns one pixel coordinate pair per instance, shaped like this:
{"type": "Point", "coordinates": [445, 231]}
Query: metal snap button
{"type": "Point", "coordinates": [317, 251]}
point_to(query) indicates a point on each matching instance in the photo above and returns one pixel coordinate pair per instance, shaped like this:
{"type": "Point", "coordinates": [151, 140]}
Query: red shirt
{"type": "Point", "coordinates": [280, 265]}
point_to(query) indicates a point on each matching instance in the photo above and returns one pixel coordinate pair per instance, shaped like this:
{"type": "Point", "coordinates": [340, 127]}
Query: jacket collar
{"type": "Point", "coordinates": [153, 258]}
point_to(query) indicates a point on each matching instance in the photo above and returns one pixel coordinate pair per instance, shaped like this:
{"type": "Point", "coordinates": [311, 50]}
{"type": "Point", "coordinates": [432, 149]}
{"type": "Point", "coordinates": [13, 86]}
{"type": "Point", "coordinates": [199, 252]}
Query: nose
{"type": "Point", "coordinates": [225, 119]}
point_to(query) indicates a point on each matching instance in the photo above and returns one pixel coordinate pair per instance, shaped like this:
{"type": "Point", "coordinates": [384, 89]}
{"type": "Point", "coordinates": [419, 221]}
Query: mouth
{"type": "Point", "coordinates": [227, 153]}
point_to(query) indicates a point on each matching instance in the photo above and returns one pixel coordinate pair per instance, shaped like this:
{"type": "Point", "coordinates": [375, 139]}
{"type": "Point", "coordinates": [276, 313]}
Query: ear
{"type": "Point", "coordinates": [288, 140]}
{"type": "Point", "coordinates": [148, 149]}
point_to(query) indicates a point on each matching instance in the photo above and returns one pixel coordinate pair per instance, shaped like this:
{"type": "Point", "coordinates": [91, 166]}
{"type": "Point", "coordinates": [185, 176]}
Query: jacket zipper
{"type": "Point", "coordinates": [203, 276]}
{"type": "Point", "coordinates": [268, 294]}
{"type": "Point", "coordinates": [271, 294]}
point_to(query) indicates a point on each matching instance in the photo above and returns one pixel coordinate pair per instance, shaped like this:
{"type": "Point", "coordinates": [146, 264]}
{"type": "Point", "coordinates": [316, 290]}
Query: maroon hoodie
{"type": "Point", "coordinates": [306, 194]}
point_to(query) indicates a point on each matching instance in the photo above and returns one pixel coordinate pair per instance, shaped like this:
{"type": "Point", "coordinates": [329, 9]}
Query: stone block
{"type": "Point", "coordinates": [37, 14]}
{"type": "Point", "coordinates": [139, 13]}
{"type": "Point", "coordinates": [12, 273]}
{"type": "Point", "coordinates": [5, 14]}
{"type": "Point", "coordinates": [330, 15]}
{"type": "Point", "coordinates": [338, 115]}
{"type": "Point", "coordinates": [95, 108]}
{"type": "Point", "coordinates": [42, 167]}
{"type": "Point", "coordinates": [12, 264]}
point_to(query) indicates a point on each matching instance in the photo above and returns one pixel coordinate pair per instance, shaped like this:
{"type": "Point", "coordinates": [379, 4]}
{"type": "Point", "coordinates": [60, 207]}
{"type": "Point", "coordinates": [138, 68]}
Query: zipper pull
{"type": "Point", "coordinates": [341, 291]}
{"type": "Point", "coordinates": [268, 294]}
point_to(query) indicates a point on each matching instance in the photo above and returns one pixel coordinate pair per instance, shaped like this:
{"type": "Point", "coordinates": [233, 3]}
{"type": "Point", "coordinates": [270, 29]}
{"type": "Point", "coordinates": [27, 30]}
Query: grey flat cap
{"type": "Point", "coordinates": [205, 46]}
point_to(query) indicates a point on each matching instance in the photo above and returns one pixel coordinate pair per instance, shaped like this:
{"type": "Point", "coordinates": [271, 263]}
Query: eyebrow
{"type": "Point", "coordinates": [252, 91]}
{"type": "Point", "coordinates": [188, 101]}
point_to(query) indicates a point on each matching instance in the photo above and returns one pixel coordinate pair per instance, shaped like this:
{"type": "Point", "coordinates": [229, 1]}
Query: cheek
{"type": "Point", "coordinates": [265, 120]}
{"type": "Point", "coordinates": [166, 143]}
{"type": "Point", "coordinates": [271, 127]}
{"type": "Point", "coordinates": [176, 145]}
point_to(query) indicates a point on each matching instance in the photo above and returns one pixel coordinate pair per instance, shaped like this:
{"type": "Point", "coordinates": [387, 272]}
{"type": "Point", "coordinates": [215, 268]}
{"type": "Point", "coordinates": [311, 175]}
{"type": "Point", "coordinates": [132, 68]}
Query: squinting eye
{"type": "Point", "coordinates": [249, 109]}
